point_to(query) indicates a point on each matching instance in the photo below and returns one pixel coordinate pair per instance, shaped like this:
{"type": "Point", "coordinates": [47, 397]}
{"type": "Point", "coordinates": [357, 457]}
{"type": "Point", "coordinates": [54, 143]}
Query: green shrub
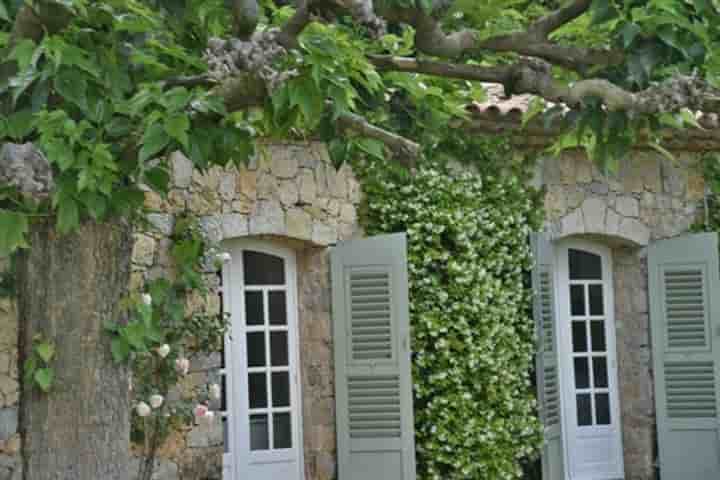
{"type": "Point", "coordinates": [475, 411]}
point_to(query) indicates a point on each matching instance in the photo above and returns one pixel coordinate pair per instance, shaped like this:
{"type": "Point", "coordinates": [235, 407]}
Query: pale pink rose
{"type": "Point", "coordinates": [200, 411]}
{"type": "Point", "coordinates": [208, 417]}
{"type": "Point", "coordinates": [182, 366]}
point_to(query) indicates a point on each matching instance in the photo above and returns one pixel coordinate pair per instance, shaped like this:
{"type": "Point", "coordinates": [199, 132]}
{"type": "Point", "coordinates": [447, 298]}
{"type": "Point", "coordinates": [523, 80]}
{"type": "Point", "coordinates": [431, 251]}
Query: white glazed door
{"type": "Point", "coordinates": [263, 409]}
{"type": "Point", "coordinates": [588, 363]}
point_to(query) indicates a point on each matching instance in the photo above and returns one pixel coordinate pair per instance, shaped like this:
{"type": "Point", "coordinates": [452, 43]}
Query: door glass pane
{"type": "Point", "coordinates": [584, 409]}
{"type": "Point", "coordinates": [577, 300]}
{"type": "Point", "coordinates": [256, 349]}
{"type": "Point", "coordinates": [254, 308]}
{"type": "Point", "coordinates": [226, 439]}
{"type": "Point", "coordinates": [259, 432]}
{"type": "Point", "coordinates": [278, 310]}
{"type": "Point", "coordinates": [257, 390]}
{"type": "Point", "coordinates": [579, 337]}
{"type": "Point", "coordinates": [600, 372]}
{"type": "Point", "coordinates": [582, 373]}
{"type": "Point", "coordinates": [263, 269]}
{"type": "Point", "coordinates": [584, 265]}
{"type": "Point", "coordinates": [282, 430]}
{"type": "Point", "coordinates": [602, 406]}
{"type": "Point", "coordinates": [279, 349]}
{"type": "Point", "coordinates": [223, 394]}
{"type": "Point", "coordinates": [281, 389]}
{"type": "Point", "coordinates": [597, 332]}
{"type": "Point", "coordinates": [596, 300]}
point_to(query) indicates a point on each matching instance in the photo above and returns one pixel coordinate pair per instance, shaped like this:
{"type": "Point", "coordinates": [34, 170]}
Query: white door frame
{"type": "Point", "coordinates": [238, 456]}
{"type": "Point", "coordinates": [569, 411]}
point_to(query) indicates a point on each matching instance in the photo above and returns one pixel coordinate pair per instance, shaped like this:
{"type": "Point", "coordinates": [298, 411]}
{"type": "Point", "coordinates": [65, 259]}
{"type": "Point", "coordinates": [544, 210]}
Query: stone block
{"type": "Point", "coordinates": [308, 187]}
{"type": "Point", "coordinates": [8, 422]}
{"type": "Point", "coordinates": [247, 183]}
{"type": "Point", "coordinates": [182, 170]}
{"type": "Point", "coordinates": [267, 187]}
{"type": "Point", "coordinates": [206, 434]}
{"type": "Point", "coordinates": [299, 224]}
{"type": "Point", "coordinates": [289, 194]}
{"type": "Point", "coordinates": [284, 162]}
{"type": "Point", "coordinates": [572, 223]}
{"type": "Point", "coordinates": [234, 225]}
{"type": "Point", "coordinates": [555, 202]}
{"type": "Point", "coordinates": [627, 206]}
{"type": "Point", "coordinates": [612, 222]}
{"type": "Point", "coordinates": [143, 250]}
{"type": "Point", "coordinates": [204, 203]}
{"type": "Point", "coordinates": [228, 181]}
{"type": "Point", "coordinates": [583, 169]}
{"type": "Point", "coordinates": [695, 187]}
{"type": "Point", "coordinates": [635, 230]}
{"type": "Point", "coordinates": [268, 218]}
{"type": "Point", "coordinates": [593, 210]}
{"type": "Point", "coordinates": [162, 222]}
{"type": "Point", "coordinates": [324, 233]}
{"type": "Point", "coordinates": [348, 214]}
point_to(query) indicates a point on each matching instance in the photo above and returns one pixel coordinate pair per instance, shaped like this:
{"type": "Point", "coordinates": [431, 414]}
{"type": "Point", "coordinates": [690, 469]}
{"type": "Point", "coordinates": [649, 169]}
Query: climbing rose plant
{"type": "Point", "coordinates": [472, 336]}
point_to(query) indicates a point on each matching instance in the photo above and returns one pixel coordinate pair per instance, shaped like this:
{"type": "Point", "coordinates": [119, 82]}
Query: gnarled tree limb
{"type": "Point", "coordinates": [406, 151]}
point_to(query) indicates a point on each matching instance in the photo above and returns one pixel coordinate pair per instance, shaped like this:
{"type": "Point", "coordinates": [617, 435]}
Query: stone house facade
{"type": "Point", "coordinates": [651, 198]}
{"type": "Point", "coordinates": [289, 196]}
{"type": "Point", "coordinates": [289, 205]}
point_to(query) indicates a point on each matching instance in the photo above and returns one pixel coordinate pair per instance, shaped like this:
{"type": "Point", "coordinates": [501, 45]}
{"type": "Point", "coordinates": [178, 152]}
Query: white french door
{"type": "Point", "coordinates": [588, 363]}
{"type": "Point", "coordinates": [262, 415]}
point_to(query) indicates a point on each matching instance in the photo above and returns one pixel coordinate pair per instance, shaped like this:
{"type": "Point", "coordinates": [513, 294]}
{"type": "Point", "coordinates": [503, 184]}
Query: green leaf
{"type": "Point", "coordinates": [44, 379]}
{"type": "Point", "coordinates": [3, 11]}
{"type": "Point", "coordinates": [13, 228]}
{"type": "Point", "coordinates": [72, 85]}
{"type": "Point", "coordinates": [45, 350]}
{"type": "Point", "coordinates": [154, 140]}
{"type": "Point", "coordinates": [134, 333]}
{"type": "Point", "coordinates": [177, 127]}
{"type": "Point", "coordinates": [20, 124]}
{"type": "Point", "coordinates": [68, 217]}
{"type": "Point", "coordinates": [158, 178]}
{"type": "Point", "coordinates": [120, 349]}
{"type": "Point", "coordinates": [374, 148]}
{"type": "Point", "coordinates": [629, 32]}
{"type": "Point", "coordinates": [24, 53]}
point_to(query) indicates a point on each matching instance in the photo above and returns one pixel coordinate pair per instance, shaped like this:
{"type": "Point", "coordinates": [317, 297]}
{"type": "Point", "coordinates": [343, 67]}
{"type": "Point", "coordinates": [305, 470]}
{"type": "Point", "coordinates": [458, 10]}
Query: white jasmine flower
{"type": "Point", "coordinates": [156, 401]}
{"type": "Point", "coordinates": [146, 299]}
{"type": "Point", "coordinates": [163, 350]}
{"type": "Point", "coordinates": [142, 409]}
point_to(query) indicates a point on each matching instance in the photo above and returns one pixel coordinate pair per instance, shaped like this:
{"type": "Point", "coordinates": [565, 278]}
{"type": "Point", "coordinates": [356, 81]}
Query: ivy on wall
{"type": "Point", "coordinates": [475, 409]}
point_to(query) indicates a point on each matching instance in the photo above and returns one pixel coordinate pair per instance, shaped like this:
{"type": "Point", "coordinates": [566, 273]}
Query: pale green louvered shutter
{"type": "Point", "coordinates": [684, 294]}
{"type": "Point", "coordinates": [546, 360]}
{"type": "Point", "coordinates": [375, 430]}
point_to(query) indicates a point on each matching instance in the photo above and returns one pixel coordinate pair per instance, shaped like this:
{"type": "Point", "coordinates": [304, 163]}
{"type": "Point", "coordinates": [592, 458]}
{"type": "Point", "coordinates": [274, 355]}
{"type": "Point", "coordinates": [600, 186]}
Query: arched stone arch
{"type": "Point", "coordinates": [595, 217]}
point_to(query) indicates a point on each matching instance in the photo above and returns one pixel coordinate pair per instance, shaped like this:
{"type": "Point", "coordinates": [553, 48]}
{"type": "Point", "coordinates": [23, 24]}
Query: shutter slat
{"type": "Point", "coordinates": [374, 417]}
{"type": "Point", "coordinates": [684, 286]}
{"type": "Point", "coordinates": [548, 382]}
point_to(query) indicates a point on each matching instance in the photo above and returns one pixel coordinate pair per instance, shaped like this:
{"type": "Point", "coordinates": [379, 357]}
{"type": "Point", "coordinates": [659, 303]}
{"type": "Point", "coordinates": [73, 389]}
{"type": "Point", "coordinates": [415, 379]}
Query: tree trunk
{"type": "Point", "coordinates": [69, 286]}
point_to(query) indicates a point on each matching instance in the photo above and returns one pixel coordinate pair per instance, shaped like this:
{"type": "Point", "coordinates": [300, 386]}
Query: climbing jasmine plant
{"type": "Point", "coordinates": [472, 337]}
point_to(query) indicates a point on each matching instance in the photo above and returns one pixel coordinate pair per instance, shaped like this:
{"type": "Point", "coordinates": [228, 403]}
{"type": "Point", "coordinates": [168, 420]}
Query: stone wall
{"type": "Point", "coordinates": [289, 193]}
{"type": "Point", "coordinates": [650, 198]}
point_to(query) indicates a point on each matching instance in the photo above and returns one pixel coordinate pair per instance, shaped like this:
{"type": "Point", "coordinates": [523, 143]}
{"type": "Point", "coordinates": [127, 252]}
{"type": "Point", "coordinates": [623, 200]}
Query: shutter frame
{"type": "Point", "coordinates": [368, 372]}
{"type": "Point", "coordinates": [684, 291]}
{"type": "Point", "coordinates": [547, 364]}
